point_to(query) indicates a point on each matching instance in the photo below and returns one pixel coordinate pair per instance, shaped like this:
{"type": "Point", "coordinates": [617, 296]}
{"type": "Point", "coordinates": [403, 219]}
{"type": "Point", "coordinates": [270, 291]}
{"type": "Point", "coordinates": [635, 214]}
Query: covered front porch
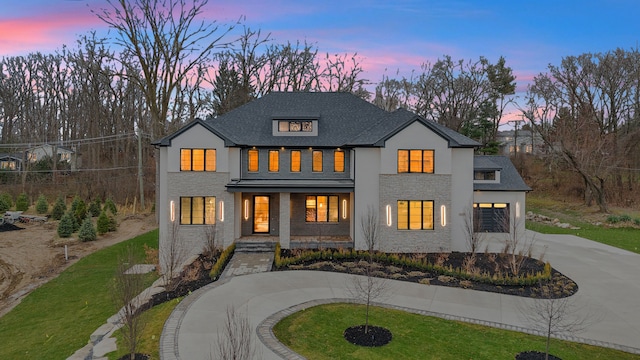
{"type": "Point", "coordinates": [309, 217]}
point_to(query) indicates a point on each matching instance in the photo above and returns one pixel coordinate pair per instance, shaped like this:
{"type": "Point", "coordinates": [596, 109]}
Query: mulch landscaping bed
{"type": "Point", "coordinates": [534, 355]}
{"type": "Point", "coordinates": [375, 335]}
{"type": "Point", "coordinates": [558, 286]}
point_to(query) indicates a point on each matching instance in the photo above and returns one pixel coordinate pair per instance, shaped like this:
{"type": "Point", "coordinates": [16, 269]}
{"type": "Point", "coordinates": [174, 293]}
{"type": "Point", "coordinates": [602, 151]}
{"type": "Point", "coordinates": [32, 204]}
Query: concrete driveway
{"type": "Point", "coordinates": [608, 280]}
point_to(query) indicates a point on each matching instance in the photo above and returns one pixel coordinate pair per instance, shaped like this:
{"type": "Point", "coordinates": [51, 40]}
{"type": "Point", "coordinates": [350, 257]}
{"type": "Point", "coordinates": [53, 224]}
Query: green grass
{"type": "Point", "coordinates": [626, 238]}
{"type": "Point", "coordinates": [154, 320]}
{"type": "Point", "coordinates": [316, 333]}
{"type": "Point", "coordinates": [56, 319]}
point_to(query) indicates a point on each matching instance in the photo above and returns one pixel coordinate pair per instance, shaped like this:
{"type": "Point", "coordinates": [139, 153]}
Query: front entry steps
{"type": "Point", "coordinates": [252, 247]}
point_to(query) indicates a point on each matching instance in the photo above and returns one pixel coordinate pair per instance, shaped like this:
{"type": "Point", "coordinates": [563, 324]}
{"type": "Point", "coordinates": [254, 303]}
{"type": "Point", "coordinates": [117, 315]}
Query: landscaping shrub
{"type": "Point", "coordinates": [625, 218]}
{"type": "Point", "coordinates": [94, 208]}
{"type": "Point", "coordinates": [42, 206]}
{"type": "Point", "coordinates": [8, 199]}
{"type": "Point", "coordinates": [110, 206]}
{"type": "Point", "coordinates": [224, 258]}
{"type": "Point", "coordinates": [22, 202]}
{"type": "Point", "coordinates": [65, 226]}
{"type": "Point", "coordinates": [80, 211]}
{"type": "Point", "coordinates": [613, 219]}
{"type": "Point", "coordinates": [87, 232]}
{"type": "Point", "coordinates": [59, 208]}
{"type": "Point", "coordinates": [4, 204]}
{"type": "Point", "coordinates": [636, 221]}
{"type": "Point", "coordinates": [103, 223]}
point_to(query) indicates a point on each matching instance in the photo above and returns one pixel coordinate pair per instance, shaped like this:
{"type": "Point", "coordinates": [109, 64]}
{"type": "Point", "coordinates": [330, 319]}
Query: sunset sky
{"type": "Point", "coordinates": [389, 36]}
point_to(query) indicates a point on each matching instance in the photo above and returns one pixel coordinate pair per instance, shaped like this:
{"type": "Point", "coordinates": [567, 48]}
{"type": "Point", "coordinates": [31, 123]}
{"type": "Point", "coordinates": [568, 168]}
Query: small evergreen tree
{"type": "Point", "coordinates": [87, 232]}
{"type": "Point", "coordinates": [94, 208]}
{"type": "Point", "coordinates": [103, 223]}
{"type": "Point", "coordinates": [65, 226]}
{"type": "Point", "coordinates": [22, 202]}
{"type": "Point", "coordinates": [59, 209]}
{"type": "Point", "coordinates": [8, 199]}
{"type": "Point", "coordinates": [74, 221]}
{"type": "Point", "coordinates": [74, 204]}
{"type": "Point", "coordinates": [4, 205]}
{"type": "Point", "coordinates": [81, 211]}
{"type": "Point", "coordinates": [42, 206]}
{"type": "Point", "coordinates": [110, 206]}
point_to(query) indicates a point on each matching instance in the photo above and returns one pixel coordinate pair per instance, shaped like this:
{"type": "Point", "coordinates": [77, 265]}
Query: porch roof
{"type": "Point", "coordinates": [291, 186]}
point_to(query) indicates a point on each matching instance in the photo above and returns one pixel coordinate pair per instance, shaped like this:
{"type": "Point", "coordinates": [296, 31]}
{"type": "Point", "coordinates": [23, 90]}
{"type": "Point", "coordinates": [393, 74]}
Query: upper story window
{"type": "Point", "coordinates": [199, 210]}
{"type": "Point", "coordinates": [484, 175]}
{"type": "Point", "coordinates": [295, 126]}
{"type": "Point", "coordinates": [197, 159]}
{"type": "Point", "coordinates": [274, 160]}
{"type": "Point", "coordinates": [252, 157]}
{"type": "Point", "coordinates": [295, 160]}
{"type": "Point", "coordinates": [338, 161]}
{"type": "Point", "coordinates": [317, 161]}
{"type": "Point", "coordinates": [415, 215]}
{"type": "Point", "coordinates": [415, 161]}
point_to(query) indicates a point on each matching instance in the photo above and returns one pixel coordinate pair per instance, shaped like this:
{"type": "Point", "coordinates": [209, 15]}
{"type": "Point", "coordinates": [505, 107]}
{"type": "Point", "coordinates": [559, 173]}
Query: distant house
{"type": "Point", "coordinates": [10, 162]}
{"type": "Point", "coordinates": [304, 169]}
{"type": "Point", "coordinates": [39, 152]}
{"type": "Point", "coordinates": [521, 141]}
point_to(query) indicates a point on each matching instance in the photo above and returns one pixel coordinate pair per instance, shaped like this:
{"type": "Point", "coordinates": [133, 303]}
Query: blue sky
{"type": "Point", "coordinates": [389, 36]}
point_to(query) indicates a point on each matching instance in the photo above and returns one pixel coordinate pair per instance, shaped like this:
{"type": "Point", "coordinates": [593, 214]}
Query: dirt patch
{"type": "Point", "coordinates": [34, 255]}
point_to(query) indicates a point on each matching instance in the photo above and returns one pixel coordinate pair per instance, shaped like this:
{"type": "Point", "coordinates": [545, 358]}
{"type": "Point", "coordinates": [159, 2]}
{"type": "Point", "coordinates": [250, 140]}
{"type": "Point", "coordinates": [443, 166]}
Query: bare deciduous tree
{"type": "Point", "coordinates": [553, 316]}
{"type": "Point", "coordinates": [235, 342]}
{"type": "Point", "coordinates": [210, 245]}
{"type": "Point", "coordinates": [517, 246]}
{"type": "Point", "coordinates": [470, 226]}
{"type": "Point", "coordinates": [126, 288]}
{"type": "Point", "coordinates": [173, 256]}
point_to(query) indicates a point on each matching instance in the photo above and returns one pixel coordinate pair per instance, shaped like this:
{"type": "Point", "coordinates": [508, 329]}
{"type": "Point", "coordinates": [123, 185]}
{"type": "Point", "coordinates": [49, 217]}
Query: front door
{"type": "Point", "coordinates": [261, 214]}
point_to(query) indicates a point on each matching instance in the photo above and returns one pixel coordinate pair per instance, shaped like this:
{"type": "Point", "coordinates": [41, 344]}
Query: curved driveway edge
{"type": "Point", "coordinates": [607, 277]}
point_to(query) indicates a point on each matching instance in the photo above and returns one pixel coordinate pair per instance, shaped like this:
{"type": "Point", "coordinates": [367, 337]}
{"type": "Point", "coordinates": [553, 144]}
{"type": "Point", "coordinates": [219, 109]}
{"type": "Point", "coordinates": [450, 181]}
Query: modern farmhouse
{"type": "Point", "coordinates": [304, 169]}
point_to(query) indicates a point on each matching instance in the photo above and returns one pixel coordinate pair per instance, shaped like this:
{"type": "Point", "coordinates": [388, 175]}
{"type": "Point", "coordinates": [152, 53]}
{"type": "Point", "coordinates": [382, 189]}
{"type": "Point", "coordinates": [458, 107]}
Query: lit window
{"type": "Point", "coordinates": [197, 160]}
{"type": "Point", "coordinates": [317, 161]}
{"type": "Point", "coordinates": [295, 126]}
{"type": "Point", "coordinates": [415, 161]}
{"type": "Point", "coordinates": [338, 161]}
{"type": "Point", "coordinates": [321, 208]}
{"type": "Point", "coordinates": [295, 160]}
{"type": "Point", "coordinates": [415, 215]}
{"type": "Point", "coordinates": [253, 160]}
{"type": "Point", "coordinates": [492, 218]}
{"type": "Point", "coordinates": [197, 210]}
{"type": "Point", "coordinates": [274, 160]}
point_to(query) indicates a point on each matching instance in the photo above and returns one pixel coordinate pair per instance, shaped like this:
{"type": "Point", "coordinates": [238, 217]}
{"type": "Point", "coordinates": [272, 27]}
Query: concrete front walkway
{"type": "Point", "coordinates": [608, 278]}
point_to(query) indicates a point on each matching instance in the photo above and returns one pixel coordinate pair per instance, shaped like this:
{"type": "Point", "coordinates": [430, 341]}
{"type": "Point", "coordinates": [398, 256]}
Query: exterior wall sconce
{"type": "Point", "coordinates": [517, 210]}
{"type": "Point", "coordinates": [221, 205]}
{"type": "Point", "coordinates": [443, 215]}
{"type": "Point", "coordinates": [246, 209]}
{"type": "Point", "coordinates": [389, 215]}
{"type": "Point", "coordinates": [172, 210]}
{"type": "Point", "coordinates": [344, 208]}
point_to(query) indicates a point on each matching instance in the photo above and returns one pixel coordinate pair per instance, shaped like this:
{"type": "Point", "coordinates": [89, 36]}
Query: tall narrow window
{"type": "Point", "coordinates": [197, 159]}
{"type": "Point", "coordinates": [274, 160]}
{"type": "Point", "coordinates": [338, 161]}
{"type": "Point", "coordinates": [415, 215]}
{"type": "Point", "coordinates": [197, 210]}
{"type": "Point", "coordinates": [295, 160]}
{"type": "Point", "coordinates": [253, 160]}
{"type": "Point", "coordinates": [317, 161]}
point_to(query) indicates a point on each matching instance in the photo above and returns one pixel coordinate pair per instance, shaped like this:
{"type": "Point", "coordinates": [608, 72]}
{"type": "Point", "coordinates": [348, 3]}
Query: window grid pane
{"type": "Point", "coordinates": [403, 215]}
{"type": "Point", "coordinates": [310, 209]}
{"type": "Point", "coordinates": [427, 161]}
{"type": "Point", "coordinates": [274, 160]}
{"type": "Point", "coordinates": [197, 211]}
{"type": "Point", "coordinates": [415, 215]}
{"type": "Point", "coordinates": [415, 161]}
{"type": "Point", "coordinates": [185, 210]}
{"type": "Point", "coordinates": [210, 210]}
{"type": "Point", "coordinates": [197, 160]}
{"type": "Point", "coordinates": [185, 160]}
{"type": "Point", "coordinates": [338, 161]}
{"type": "Point", "coordinates": [322, 208]}
{"type": "Point", "coordinates": [427, 215]}
{"type": "Point", "coordinates": [253, 160]}
{"type": "Point", "coordinates": [295, 160]}
{"type": "Point", "coordinates": [403, 161]}
{"type": "Point", "coordinates": [333, 209]}
{"type": "Point", "coordinates": [317, 161]}
{"type": "Point", "coordinates": [210, 157]}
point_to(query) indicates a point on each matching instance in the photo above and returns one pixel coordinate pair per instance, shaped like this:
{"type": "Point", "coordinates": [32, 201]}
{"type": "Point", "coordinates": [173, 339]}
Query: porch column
{"type": "Point", "coordinates": [285, 221]}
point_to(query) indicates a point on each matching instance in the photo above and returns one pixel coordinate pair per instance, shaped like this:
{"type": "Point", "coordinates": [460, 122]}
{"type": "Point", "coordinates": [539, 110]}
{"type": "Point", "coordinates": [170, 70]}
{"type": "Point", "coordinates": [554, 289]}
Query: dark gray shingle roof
{"type": "Point", "coordinates": [510, 179]}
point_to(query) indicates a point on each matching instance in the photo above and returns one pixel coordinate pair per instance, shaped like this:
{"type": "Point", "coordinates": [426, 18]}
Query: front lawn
{"type": "Point", "coordinates": [57, 319]}
{"type": "Point", "coordinates": [316, 333]}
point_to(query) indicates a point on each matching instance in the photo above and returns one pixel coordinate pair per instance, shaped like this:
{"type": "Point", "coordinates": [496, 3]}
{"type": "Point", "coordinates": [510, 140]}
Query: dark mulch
{"type": "Point", "coordinates": [9, 227]}
{"type": "Point", "coordinates": [534, 355]}
{"type": "Point", "coordinates": [559, 285]}
{"type": "Point", "coordinates": [375, 336]}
